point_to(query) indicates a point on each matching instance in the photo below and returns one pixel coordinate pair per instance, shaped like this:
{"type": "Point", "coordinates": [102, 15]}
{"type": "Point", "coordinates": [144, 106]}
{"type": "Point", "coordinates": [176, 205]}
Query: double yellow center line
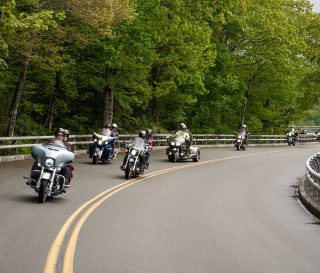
{"type": "Point", "coordinates": [87, 208]}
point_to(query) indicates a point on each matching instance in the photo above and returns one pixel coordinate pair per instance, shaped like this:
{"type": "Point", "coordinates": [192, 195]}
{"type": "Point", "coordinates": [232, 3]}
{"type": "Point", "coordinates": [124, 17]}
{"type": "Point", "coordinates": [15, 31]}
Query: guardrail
{"type": "Point", "coordinates": [313, 175]}
{"type": "Point", "coordinates": [22, 145]}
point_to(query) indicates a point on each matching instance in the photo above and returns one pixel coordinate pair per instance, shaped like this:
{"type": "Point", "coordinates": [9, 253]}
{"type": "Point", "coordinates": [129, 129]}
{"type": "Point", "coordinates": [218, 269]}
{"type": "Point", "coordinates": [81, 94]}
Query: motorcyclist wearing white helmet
{"type": "Point", "coordinates": [243, 130]}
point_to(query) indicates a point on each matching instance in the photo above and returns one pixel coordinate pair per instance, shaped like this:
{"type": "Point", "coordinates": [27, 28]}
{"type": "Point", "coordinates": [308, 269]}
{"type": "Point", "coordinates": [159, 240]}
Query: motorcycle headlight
{"type": "Point", "coordinates": [133, 152]}
{"type": "Point", "coordinates": [49, 162]}
{"type": "Point", "coordinates": [95, 140]}
{"type": "Point", "coordinates": [172, 143]}
{"type": "Point", "coordinates": [100, 142]}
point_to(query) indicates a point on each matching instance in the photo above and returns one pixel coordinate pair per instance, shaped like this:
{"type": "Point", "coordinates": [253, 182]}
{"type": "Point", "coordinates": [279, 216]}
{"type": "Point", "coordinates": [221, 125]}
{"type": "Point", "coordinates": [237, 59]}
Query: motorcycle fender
{"type": "Point", "coordinates": [193, 151]}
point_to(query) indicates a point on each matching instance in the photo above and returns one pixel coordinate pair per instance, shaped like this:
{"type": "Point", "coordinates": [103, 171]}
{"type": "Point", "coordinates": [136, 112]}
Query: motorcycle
{"type": "Point", "coordinates": [240, 141]}
{"type": "Point", "coordinates": [179, 150]}
{"type": "Point", "coordinates": [48, 175]}
{"type": "Point", "coordinates": [102, 148]}
{"type": "Point", "coordinates": [291, 138]}
{"type": "Point", "coordinates": [134, 152]}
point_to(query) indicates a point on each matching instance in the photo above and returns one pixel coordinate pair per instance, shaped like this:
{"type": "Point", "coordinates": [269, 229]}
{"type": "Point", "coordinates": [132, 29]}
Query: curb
{"type": "Point", "coordinates": [306, 200]}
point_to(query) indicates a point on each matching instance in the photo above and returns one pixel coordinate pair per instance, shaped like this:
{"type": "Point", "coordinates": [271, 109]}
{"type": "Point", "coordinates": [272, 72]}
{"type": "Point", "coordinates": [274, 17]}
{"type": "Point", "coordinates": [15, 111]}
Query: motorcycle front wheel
{"type": "Point", "coordinates": [238, 146]}
{"type": "Point", "coordinates": [128, 171]}
{"type": "Point", "coordinates": [95, 160]}
{"type": "Point", "coordinates": [42, 194]}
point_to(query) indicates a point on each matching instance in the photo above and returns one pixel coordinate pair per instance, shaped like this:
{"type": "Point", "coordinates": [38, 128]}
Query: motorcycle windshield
{"type": "Point", "coordinates": [178, 137]}
{"type": "Point", "coordinates": [55, 149]}
{"type": "Point", "coordinates": [104, 138]}
{"type": "Point", "coordinates": [139, 143]}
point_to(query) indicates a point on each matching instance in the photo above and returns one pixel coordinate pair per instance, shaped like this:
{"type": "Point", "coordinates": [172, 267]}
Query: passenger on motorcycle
{"type": "Point", "coordinates": [70, 148]}
{"type": "Point", "coordinates": [149, 141]}
{"type": "Point", "coordinates": [138, 141]}
{"type": "Point", "coordinates": [115, 134]}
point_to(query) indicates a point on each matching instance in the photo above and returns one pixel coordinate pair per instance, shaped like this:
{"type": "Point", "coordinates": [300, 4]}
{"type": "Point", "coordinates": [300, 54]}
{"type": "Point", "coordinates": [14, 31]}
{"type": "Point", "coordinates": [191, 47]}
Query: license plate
{"type": "Point", "coordinates": [46, 175]}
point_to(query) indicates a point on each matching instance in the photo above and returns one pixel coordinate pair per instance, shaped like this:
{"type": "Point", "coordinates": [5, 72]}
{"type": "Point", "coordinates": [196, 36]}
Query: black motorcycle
{"type": "Point", "coordinates": [102, 148]}
{"type": "Point", "coordinates": [135, 155]}
{"type": "Point", "coordinates": [51, 169]}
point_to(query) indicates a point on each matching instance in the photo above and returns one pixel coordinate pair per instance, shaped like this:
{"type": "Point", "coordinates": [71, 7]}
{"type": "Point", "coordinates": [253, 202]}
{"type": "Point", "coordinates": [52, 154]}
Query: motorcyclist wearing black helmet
{"type": "Point", "coordinates": [138, 141]}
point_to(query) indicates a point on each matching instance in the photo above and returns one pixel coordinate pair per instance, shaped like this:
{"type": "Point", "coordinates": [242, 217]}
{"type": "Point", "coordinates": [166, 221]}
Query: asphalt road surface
{"type": "Point", "coordinates": [232, 212]}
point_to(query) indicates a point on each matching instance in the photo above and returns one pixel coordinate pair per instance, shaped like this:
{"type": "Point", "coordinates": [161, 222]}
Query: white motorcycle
{"type": "Point", "coordinates": [51, 169]}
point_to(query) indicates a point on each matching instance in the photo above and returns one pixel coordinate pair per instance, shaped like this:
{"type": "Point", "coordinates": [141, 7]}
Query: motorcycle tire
{"type": "Point", "coordinates": [174, 157]}
{"type": "Point", "coordinates": [197, 158]}
{"type": "Point", "coordinates": [128, 171]}
{"type": "Point", "coordinates": [238, 146]}
{"type": "Point", "coordinates": [94, 160]}
{"type": "Point", "coordinates": [42, 194]}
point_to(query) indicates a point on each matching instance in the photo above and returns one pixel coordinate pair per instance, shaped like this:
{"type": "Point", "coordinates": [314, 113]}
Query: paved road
{"type": "Point", "coordinates": [232, 212]}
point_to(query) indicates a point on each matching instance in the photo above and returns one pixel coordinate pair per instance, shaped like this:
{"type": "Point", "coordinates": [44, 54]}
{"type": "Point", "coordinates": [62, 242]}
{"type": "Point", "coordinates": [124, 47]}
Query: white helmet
{"type": "Point", "coordinates": [113, 125]}
{"type": "Point", "coordinates": [244, 126]}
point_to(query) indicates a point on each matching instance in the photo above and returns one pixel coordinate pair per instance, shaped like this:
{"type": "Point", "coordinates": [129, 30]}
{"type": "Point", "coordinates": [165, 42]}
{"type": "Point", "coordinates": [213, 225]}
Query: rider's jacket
{"type": "Point", "coordinates": [184, 134]}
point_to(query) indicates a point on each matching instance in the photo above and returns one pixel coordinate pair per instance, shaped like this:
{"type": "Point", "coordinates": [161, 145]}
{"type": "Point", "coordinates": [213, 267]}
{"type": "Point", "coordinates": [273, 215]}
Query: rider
{"type": "Point", "coordinates": [243, 130]}
{"type": "Point", "coordinates": [184, 130]}
{"type": "Point", "coordinates": [70, 148]}
{"type": "Point", "coordinates": [294, 131]}
{"type": "Point", "coordinates": [106, 131]}
{"type": "Point", "coordinates": [149, 142]}
{"type": "Point", "coordinates": [139, 142]}
{"type": "Point", "coordinates": [115, 134]}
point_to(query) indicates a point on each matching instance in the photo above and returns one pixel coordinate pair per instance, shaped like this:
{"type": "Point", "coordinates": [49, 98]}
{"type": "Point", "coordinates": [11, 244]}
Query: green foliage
{"type": "Point", "coordinates": [210, 64]}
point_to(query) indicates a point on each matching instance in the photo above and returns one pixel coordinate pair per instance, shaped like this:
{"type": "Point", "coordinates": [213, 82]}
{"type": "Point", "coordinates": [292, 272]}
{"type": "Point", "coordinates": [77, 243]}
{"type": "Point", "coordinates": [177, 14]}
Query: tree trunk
{"type": "Point", "coordinates": [108, 98]}
{"type": "Point", "coordinates": [57, 90]}
{"type": "Point", "coordinates": [17, 97]}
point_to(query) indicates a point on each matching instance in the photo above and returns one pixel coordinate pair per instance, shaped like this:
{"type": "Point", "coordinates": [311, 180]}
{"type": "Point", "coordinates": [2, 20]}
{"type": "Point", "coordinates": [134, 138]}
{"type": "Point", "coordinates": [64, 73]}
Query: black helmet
{"type": "Point", "coordinates": [142, 134]}
{"type": "Point", "coordinates": [59, 130]}
{"type": "Point", "coordinates": [149, 132]}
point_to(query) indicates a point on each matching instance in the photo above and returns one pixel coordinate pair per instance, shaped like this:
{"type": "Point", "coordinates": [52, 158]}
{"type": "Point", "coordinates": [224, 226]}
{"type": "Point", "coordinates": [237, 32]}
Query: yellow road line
{"type": "Point", "coordinates": [52, 258]}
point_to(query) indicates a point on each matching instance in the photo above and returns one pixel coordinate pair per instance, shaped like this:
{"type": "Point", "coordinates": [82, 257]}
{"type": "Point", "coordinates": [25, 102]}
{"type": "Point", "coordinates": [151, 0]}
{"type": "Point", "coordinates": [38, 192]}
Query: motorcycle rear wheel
{"type": "Point", "coordinates": [197, 158]}
{"type": "Point", "coordinates": [42, 194]}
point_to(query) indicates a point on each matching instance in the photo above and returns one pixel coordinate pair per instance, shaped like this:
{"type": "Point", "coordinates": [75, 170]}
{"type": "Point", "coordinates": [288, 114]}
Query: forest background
{"type": "Point", "coordinates": [212, 64]}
